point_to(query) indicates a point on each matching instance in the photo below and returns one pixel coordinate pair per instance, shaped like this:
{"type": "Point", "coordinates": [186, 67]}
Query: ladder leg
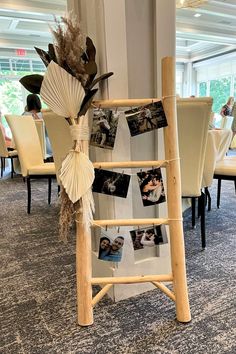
{"type": "Point", "coordinates": [174, 192]}
{"type": "Point", "coordinates": [83, 276]}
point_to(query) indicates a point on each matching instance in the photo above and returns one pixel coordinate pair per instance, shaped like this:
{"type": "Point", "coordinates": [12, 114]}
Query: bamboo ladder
{"type": "Point", "coordinates": [83, 239]}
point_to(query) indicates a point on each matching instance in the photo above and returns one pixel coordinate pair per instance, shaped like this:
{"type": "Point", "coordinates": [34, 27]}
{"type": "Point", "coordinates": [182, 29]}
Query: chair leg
{"type": "Point", "coordinates": [49, 189]}
{"type": "Point", "coordinates": [218, 193]}
{"type": "Point", "coordinates": [235, 185]}
{"type": "Point", "coordinates": [193, 205]}
{"type": "Point", "coordinates": [12, 167]}
{"type": "Point", "coordinates": [2, 165]}
{"type": "Point", "coordinates": [202, 202]}
{"type": "Point", "coordinates": [58, 189]}
{"type": "Point", "coordinates": [29, 194]}
{"type": "Point", "coordinates": [208, 198]}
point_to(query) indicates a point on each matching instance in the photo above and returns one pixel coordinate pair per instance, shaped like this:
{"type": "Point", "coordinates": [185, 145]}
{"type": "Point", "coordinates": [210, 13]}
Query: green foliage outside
{"type": "Point", "coordinates": [11, 96]}
{"type": "Point", "coordinates": [220, 92]}
{"type": "Point", "coordinates": [11, 92]}
{"type": "Point", "coordinates": [202, 89]}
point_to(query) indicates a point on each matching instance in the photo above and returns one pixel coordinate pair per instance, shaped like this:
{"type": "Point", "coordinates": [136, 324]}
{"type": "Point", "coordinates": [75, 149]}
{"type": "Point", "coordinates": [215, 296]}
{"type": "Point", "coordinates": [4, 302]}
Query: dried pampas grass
{"type": "Point", "coordinates": [67, 215]}
{"type": "Point", "coordinates": [70, 44]}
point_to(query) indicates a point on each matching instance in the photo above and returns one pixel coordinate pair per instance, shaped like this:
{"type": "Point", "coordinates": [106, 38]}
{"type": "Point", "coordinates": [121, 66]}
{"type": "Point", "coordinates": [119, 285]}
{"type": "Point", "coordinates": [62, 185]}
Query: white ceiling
{"type": "Point", "coordinates": [213, 33]}
{"type": "Point", "coordinates": [24, 23]}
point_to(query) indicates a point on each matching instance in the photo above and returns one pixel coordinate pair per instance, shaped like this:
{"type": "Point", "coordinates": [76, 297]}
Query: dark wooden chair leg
{"type": "Point", "coordinates": [235, 185]}
{"type": "Point", "coordinates": [58, 189]}
{"type": "Point", "coordinates": [218, 192]}
{"type": "Point", "coordinates": [202, 202]}
{"type": "Point", "coordinates": [193, 204]}
{"type": "Point", "coordinates": [2, 164]}
{"type": "Point", "coordinates": [49, 189]}
{"type": "Point", "coordinates": [12, 168]}
{"type": "Point", "coordinates": [29, 194]}
{"type": "Point", "coordinates": [208, 198]}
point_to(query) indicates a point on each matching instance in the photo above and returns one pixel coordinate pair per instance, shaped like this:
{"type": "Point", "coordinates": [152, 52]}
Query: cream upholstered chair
{"type": "Point", "coordinates": [60, 138]}
{"type": "Point", "coordinates": [193, 116]}
{"type": "Point", "coordinates": [30, 153]}
{"type": "Point", "coordinates": [6, 154]}
{"type": "Point", "coordinates": [225, 170]}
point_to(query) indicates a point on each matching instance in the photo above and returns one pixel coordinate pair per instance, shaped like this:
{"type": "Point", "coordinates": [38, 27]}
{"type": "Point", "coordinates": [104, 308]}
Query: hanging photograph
{"type": "Point", "coordinates": [111, 183]}
{"type": "Point", "coordinates": [144, 119]}
{"type": "Point", "coordinates": [151, 187]}
{"type": "Point", "coordinates": [104, 128]}
{"type": "Point", "coordinates": [110, 247]}
{"type": "Point", "coordinates": [149, 237]}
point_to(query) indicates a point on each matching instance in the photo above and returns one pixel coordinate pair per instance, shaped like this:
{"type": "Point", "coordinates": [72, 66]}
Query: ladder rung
{"type": "Point", "coordinates": [133, 279]}
{"type": "Point", "coordinates": [125, 102]}
{"type": "Point", "coordinates": [130, 222]}
{"type": "Point", "coordinates": [130, 164]}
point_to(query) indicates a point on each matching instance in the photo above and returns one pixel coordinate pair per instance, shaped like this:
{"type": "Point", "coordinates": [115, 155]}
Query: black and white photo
{"type": "Point", "coordinates": [104, 128]}
{"type": "Point", "coordinates": [144, 119]}
{"type": "Point", "coordinates": [111, 183]}
{"type": "Point", "coordinates": [149, 237]}
{"type": "Point", "coordinates": [151, 187]}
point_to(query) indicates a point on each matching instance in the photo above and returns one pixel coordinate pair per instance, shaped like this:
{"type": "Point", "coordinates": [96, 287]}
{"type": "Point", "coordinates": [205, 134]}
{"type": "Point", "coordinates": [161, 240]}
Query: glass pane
{"type": "Point", "coordinates": [11, 97]}
{"type": "Point", "coordinates": [202, 89]}
{"type": "Point", "coordinates": [220, 92]}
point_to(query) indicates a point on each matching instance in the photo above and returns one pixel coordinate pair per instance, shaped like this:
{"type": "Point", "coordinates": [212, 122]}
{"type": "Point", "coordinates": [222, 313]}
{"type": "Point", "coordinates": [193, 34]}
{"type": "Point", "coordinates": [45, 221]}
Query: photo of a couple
{"type": "Point", "coordinates": [104, 128]}
{"type": "Point", "coordinates": [149, 237]}
{"type": "Point", "coordinates": [151, 187]}
{"type": "Point", "coordinates": [111, 183]}
{"type": "Point", "coordinates": [143, 119]}
{"type": "Point", "coordinates": [110, 249]}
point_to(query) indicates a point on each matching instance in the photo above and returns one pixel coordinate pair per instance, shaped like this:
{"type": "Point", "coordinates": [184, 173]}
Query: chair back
{"type": "Point", "coordinates": [27, 141]}
{"type": "Point", "coordinates": [60, 138]}
{"type": "Point", "coordinates": [226, 122]}
{"type": "Point", "coordinates": [3, 146]}
{"type": "Point", "coordinates": [193, 116]}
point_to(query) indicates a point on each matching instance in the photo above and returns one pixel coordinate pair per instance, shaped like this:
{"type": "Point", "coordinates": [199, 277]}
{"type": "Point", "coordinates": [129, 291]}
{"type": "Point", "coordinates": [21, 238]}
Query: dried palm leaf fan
{"type": "Point", "coordinates": [189, 3]}
{"type": "Point", "coordinates": [67, 89]}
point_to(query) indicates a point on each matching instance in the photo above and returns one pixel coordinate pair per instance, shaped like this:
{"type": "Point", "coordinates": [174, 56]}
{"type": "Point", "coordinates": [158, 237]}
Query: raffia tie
{"type": "Point", "coordinates": [79, 133]}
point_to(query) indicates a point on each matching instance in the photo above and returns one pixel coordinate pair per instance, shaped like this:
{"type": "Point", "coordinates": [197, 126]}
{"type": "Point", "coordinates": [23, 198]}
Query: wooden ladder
{"type": "Point", "coordinates": [83, 238]}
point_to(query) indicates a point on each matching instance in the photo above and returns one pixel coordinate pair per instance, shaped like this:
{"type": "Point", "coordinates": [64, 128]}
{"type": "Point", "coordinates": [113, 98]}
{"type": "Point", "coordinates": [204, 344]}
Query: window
{"type": "Point", "coordinates": [12, 93]}
{"type": "Point", "coordinates": [220, 92]}
{"type": "Point", "coordinates": [202, 89]}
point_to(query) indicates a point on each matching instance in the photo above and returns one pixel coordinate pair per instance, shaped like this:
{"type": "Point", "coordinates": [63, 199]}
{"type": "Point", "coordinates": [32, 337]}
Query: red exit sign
{"type": "Point", "coordinates": [21, 52]}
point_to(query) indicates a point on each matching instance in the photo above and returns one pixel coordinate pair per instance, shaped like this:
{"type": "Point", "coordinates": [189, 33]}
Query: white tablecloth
{"type": "Point", "coordinates": [218, 142]}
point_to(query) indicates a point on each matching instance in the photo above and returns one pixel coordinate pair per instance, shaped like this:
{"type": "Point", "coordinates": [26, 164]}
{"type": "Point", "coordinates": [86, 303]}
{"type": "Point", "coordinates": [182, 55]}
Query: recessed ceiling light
{"type": "Point", "coordinates": [197, 15]}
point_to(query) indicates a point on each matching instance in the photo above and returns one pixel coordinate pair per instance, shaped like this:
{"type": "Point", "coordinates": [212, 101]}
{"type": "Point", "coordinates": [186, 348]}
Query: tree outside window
{"type": "Point", "coordinates": [203, 89]}
{"type": "Point", "coordinates": [220, 92]}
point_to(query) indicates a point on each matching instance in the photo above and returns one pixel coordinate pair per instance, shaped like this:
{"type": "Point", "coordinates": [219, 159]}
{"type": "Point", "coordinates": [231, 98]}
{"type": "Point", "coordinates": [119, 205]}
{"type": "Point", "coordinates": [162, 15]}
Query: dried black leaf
{"type": "Point", "coordinates": [32, 83]}
{"type": "Point", "coordinates": [51, 52]}
{"type": "Point", "coordinates": [87, 102]}
{"type": "Point", "coordinates": [90, 49]}
{"type": "Point", "coordinates": [100, 78]}
{"type": "Point", "coordinates": [43, 55]}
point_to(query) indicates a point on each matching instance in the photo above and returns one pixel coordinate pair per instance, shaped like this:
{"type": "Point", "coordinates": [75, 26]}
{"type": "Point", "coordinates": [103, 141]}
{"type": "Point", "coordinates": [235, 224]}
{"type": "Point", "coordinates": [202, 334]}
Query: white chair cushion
{"type": "Point", "coordinates": [226, 167]}
{"type": "Point", "coordinates": [44, 169]}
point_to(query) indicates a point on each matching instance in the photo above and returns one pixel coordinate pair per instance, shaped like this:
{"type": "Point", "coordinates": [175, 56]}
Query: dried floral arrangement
{"type": "Point", "coordinates": [68, 89]}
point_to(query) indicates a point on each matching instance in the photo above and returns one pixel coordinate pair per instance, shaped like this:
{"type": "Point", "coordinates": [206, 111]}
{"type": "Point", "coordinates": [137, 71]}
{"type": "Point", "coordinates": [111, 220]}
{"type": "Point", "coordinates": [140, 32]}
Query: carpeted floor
{"type": "Point", "coordinates": [38, 313]}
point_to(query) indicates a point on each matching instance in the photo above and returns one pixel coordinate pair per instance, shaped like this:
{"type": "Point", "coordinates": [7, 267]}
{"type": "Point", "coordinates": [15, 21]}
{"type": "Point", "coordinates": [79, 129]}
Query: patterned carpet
{"type": "Point", "coordinates": [38, 313]}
